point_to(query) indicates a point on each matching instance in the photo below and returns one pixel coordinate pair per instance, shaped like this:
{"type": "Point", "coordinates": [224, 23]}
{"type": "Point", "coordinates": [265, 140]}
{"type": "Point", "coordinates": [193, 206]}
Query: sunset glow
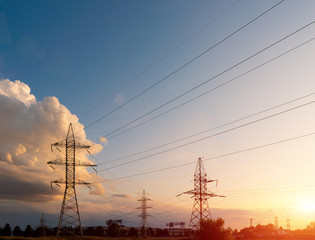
{"type": "Point", "coordinates": [149, 87]}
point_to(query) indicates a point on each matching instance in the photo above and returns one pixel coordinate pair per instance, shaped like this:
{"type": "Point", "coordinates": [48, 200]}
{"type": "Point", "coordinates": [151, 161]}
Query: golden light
{"type": "Point", "coordinates": [307, 206]}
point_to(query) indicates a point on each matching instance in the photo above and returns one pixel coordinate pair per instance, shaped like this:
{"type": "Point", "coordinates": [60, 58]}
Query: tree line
{"type": "Point", "coordinates": [113, 230]}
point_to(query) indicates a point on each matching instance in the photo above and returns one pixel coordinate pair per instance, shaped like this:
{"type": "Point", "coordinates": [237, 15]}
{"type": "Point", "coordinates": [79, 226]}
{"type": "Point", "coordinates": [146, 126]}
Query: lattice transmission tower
{"type": "Point", "coordinates": [144, 213]}
{"type": "Point", "coordinates": [200, 211]}
{"type": "Point", "coordinates": [42, 225]}
{"type": "Point", "coordinates": [69, 220]}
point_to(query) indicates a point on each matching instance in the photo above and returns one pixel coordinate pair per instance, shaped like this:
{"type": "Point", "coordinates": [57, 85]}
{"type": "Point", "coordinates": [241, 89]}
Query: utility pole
{"type": "Point", "coordinates": [251, 222]}
{"type": "Point", "coordinates": [144, 213]}
{"type": "Point", "coordinates": [69, 220]}
{"type": "Point", "coordinates": [200, 211]}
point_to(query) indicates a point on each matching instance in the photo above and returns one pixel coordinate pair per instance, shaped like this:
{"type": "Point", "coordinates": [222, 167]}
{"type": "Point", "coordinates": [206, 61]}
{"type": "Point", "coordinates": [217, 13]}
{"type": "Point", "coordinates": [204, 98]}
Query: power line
{"type": "Point", "coordinates": [213, 135]}
{"type": "Point", "coordinates": [215, 157]}
{"type": "Point", "coordinates": [211, 129]}
{"type": "Point", "coordinates": [183, 66]}
{"type": "Point", "coordinates": [174, 49]}
{"type": "Point", "coordinates": [268, 189]}
{"type": "Point", "coordinates": [203, 83]}
{"type": "Point", "coordinates": [212, 89]}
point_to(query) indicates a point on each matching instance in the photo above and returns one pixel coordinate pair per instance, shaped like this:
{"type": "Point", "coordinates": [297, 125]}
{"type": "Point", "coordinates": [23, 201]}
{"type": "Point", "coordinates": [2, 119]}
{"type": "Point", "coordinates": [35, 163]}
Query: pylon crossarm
{"type": "Point", "coordinates": [213, 180]}
{"type": "Point", "coordinates": [188, 192]}
{"type": "Point", "coordinates": [61, 161]}
{"type": "Point", "coordinates": [79, 145]}
{"type": "Point", "coordinates": [84, 164]}
{"type": "Point", "coordinates": [82, 183]}
{"type": "Point", "coordinates": [58, 144]}
{"type": "Point", "coordinates": [213, 195]}
{"type": "Point", "coordinates": [58, 161]}
{"type": "Point", "coordinates": [57, 182]}
{"type": "Point", "coordinates": [63, 143]}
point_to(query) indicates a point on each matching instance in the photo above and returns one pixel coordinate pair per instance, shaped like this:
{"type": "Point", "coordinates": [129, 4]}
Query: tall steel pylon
{"type": "Point", "coordinates": [42, 225]}
{"type": "Point", "coordinates": [69, 220]}
{"type": "Point", "coordinates": [144, 213]}
{"type": "Point", "coordinates": [200, 211]}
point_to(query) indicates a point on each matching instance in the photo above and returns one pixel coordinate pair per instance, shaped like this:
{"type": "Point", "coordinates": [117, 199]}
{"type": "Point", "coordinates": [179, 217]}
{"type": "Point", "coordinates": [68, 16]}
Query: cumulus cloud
{"type": "Point", "coordinates": [104, 141]}
{"type": "Point", "coordinates": [27, 128]}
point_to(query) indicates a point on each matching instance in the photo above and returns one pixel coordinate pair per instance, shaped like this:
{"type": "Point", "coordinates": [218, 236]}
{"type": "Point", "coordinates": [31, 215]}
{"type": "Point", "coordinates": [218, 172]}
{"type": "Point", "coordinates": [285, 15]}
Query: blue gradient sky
{"type": "Point", "coordinates": [85, 52]}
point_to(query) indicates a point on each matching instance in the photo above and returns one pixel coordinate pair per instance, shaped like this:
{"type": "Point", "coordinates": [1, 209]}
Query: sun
{"type": "Point", "coordinates": [307, 206]}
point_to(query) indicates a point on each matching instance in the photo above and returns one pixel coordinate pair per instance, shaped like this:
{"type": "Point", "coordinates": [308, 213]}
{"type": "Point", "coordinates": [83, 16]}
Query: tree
{"type": "Point", "coordinates": [165, 233]}
{"type": "Point", "coordinates": [113, 230]}
{"type": "Point", "coordinates": [311, 227]}
{"type": "Point", "coordinates": [7, 230]}
{"type": "Point", "coordinates": [99, 231]}
{"type": "Point", "coordinates": [133, 232]}
{"type": "Point", "coordinates": [150, 232]}
{"type": "Point", "coordinates": [159, 232]}
{"type": "Point", "coordinates": [214, 229]}
{"type": "Point", "coordinates": [29, 231]}
{"type": "Point", "coordinates": [89, 231]}
{"type": "Point", "coordinates": [17, 232]}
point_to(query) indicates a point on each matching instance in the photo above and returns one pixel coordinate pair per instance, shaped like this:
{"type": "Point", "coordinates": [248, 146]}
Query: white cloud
{"type": "Point", "coordinates": [104, 141]}
{"type": "Point", "coordinates": [17, 90]}
{"type": "Point", "coordinates": [27, 128]}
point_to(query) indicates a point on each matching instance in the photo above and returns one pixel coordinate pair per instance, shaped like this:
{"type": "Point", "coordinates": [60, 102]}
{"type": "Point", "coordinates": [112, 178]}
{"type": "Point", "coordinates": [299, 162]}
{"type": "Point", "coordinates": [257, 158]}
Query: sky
{"type": "Point", "coordinates": [152, 86]}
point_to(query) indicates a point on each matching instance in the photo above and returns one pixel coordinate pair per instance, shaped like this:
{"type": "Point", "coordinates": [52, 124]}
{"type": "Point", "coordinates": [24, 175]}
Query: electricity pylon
{"type": "Point", "coordinates": [69, 220]}
{"type": "Point", "coordinates": [288, 224]}
{"type": "Point", "coordinates": [200, 211]}
{"type": "Point", "coordinates": [42, 225]}
{"type": "Point", "coordinates": [144, 213]}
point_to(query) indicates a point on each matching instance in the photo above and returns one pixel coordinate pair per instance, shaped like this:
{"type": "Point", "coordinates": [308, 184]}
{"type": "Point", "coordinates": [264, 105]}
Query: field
{"type": "Point", "coordinates": [91, 238]}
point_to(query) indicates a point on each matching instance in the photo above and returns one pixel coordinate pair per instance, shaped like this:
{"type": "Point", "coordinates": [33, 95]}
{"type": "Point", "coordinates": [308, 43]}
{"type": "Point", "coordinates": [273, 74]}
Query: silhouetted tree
{"type": "Point", "coordinates": [99, 231]}
{"type": "Point", "coordinates": [248, 232]}
{"type": "Point", "coordinates": [89, 232]}
{"type": "Point", "coordinates": [41, 231]}
{"type": "Point", "coordinates": [55, 230]}
{"type": "Point", "coordinates": [28, 232]}
{"type": "Point", "coordinates": [133, 232]}
{"type": "Point", "coordinates": [165, 233]}
{"type": "Point", "coordinates": [311, 227]}
{"type": "Point", "coordinates": [17, 232]}
{"type": "Point", "coordinates": [113, 230]}
{"type": "Point", "coordinates": [213, 229]}
{"type": "Point", "coordinates": [7, 230]}
{"type": "Point", "coordinates": [151, 232]}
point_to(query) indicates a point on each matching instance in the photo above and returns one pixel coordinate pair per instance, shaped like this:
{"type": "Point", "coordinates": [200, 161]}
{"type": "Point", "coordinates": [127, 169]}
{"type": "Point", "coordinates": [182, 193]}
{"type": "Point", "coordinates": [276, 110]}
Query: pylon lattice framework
{"type": "Point", "coordinates": [69, 219]}
{"type": "Point", "coordinates": [144, 213]}
{"type": "Point", "coordinates": [42, 224]}
{"type": "Point", "coordinates": [200, 211]}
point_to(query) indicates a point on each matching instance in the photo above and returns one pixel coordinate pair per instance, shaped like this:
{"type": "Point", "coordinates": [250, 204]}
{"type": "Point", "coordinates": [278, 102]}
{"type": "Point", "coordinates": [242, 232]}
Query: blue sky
{"type": "Point", "coordinates": [94, 56]}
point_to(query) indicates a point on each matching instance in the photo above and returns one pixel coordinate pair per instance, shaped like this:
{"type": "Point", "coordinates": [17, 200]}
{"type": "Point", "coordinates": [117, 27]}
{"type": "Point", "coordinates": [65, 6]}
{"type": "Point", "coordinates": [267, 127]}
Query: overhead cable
{"type": "Point", "coordinates": [183, 66]}
{"type": "Point", "coordinates": [203, 83]}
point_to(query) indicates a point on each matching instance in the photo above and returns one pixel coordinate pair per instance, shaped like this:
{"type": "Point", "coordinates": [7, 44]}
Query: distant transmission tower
{"type": "Point", "coordinates": [42, 225]}
{"type": "Point", "coordinates": [69, 220]}
{"type": "Point", "coordinates": [144, 213]}
{"type": "Point", "coordinates": [276, 223]}
{"type": "Point", "coordinates": [201, 195]}
{"type": "Point", "coordinates": [288, 224]}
